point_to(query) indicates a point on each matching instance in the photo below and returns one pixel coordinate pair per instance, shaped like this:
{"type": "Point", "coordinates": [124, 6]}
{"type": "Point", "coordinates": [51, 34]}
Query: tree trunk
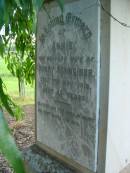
{"type": "Point", "coordinates": [21, 84]}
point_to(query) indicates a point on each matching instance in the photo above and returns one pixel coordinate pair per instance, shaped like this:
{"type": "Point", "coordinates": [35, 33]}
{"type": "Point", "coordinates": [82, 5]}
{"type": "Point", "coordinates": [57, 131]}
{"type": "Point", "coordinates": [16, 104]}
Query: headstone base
{"type": "Point", "coordinates": [38, 161]}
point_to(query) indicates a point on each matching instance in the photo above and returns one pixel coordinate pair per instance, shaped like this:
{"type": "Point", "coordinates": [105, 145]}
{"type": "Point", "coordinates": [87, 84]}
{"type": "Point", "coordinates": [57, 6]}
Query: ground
{"type": "Point", "coordinates": [23, 133]}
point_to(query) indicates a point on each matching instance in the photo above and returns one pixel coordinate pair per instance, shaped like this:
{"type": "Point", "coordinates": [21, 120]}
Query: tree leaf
{"type": "Point", "coordinates": [38, 4]}
{"type": "Point", "coordinates": [9, 105]}
{"type": "Point", "coordinates": [61, 4]}
{"type": "Point", "coordinates": [4, 99]}
{"type": "Point", "coordinates": [1, 46]}
{"type": "Point", "coordinates": [8, 146]}
{"type": "Point", "coordinates": [2, 7]}
{"type": "Point", "coordinates": [18, 3]}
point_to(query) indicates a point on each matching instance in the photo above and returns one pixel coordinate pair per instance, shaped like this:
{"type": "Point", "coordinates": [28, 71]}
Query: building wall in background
{"type": "Point", "coordinates": [118, 145]}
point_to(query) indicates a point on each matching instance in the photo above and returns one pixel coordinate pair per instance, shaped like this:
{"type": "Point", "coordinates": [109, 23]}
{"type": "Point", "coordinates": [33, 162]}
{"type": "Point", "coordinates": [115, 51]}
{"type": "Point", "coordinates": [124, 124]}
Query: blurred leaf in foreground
{"type": "Point", "coordinates": [8, 147]}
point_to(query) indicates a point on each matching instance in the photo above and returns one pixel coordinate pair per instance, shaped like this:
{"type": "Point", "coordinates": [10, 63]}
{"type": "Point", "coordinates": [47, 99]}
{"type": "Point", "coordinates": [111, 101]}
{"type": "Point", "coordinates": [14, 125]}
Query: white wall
{"type": "Point", "coordinates": [118, 145]}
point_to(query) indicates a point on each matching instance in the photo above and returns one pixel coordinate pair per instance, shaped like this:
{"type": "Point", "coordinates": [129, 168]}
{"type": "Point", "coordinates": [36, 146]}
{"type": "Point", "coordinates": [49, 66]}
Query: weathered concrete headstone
{"type": "Point", "coordinates": [68, 85]}
{"type": "Point", "coordinates": [68, 81]}
{"type": "Point", "coordinates": [73, 54]}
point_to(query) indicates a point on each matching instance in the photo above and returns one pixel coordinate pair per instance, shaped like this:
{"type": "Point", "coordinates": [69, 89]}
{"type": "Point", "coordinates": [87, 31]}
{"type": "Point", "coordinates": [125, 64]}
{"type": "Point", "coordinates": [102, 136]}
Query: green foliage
{"type": "Point", "coordinates": [22, 67]}
{"type": "Point", "coordinates": [8, 146]}
{"type": "Point", "coordinates": [10, 106]}
{"type": "Point", "coordinates": [20, 46]}
{"type": "Point", "coordinates": [12, 89]}
{"type": "Point", "coordinates": [18, 17]}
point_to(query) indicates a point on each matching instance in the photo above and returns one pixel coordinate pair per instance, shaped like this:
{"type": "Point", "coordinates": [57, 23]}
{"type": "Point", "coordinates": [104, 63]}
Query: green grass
{"type": "Point", "coordinates": [11, 83]}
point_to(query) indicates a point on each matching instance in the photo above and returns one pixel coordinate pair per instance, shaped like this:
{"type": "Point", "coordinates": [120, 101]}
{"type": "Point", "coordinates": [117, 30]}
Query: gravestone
{"type": "Point", "coordinates": [68, 84]}
{"type": "Point", "coordinates": [68, 81]}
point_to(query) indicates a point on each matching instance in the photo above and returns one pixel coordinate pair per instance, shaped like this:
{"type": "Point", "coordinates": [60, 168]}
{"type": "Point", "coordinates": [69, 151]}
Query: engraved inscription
{"type": "Point", "coordinates": [67, 88]}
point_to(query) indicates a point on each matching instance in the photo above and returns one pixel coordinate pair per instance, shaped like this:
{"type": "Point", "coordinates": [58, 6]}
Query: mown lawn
{"type": "Point", "coordinates": [11, 83]}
